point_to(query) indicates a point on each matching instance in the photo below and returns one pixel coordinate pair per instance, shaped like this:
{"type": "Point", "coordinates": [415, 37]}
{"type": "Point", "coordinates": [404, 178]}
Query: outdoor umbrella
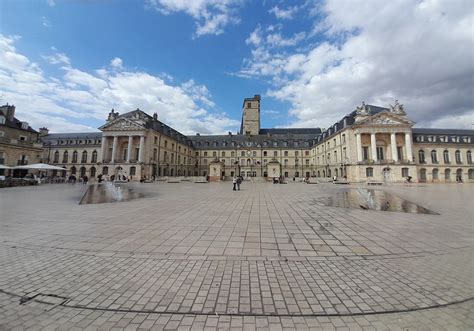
{"type": "Point", "coordinates": [5, 167]}
{"type": "Point", "coordinates": [40, 166]}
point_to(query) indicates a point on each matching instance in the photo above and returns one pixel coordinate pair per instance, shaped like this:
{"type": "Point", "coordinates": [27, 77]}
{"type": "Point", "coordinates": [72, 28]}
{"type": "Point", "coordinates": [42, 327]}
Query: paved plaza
{"type": "Point", "coordinates": [201, 256]}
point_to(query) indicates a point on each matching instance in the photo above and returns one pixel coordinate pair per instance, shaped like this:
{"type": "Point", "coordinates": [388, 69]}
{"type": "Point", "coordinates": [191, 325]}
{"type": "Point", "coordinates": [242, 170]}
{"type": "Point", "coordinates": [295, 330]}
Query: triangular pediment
{"type": "Point", "coordinates": [386, 118]}
{"type": "Point", "coordinates": [123, 124]}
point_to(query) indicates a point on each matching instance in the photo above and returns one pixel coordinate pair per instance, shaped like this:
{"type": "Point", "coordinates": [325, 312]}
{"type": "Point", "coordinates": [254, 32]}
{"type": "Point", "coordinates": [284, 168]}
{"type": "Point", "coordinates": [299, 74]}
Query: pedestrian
{"type": "Point", "coordinates": [234, 182]}
{"type": "Point", "coordinates": [85, 180]}
{"type": "Point", "coordinates": [239, 181]}
{"type": "Point", "coordinates": [99, 178]}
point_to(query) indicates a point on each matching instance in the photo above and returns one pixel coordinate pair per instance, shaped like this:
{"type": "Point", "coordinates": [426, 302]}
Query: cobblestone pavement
{"type": "Point", "coordinates": [203, 256]}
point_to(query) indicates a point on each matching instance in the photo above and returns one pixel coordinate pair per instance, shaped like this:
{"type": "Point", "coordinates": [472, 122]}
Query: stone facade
{"type": "Point", "coordinates": [370, 144]}
{"type": "Point", "coordinates": [19, 143]}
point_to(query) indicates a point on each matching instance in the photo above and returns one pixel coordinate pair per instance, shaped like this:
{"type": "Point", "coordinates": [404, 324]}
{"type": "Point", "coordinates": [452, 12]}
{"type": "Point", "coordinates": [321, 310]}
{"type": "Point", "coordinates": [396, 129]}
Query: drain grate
{"type": "Point", "coordinates": [48, 299]}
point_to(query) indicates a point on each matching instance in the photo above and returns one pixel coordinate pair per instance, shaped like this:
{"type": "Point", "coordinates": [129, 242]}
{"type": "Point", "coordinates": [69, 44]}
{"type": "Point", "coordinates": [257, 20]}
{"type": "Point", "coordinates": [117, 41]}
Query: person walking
{"type": "Point", "coordinates": [234, 182]}
{"type": "Point", "coordinates": [239, 181]}
{"type": "Point", "coordinates": [85, 179]}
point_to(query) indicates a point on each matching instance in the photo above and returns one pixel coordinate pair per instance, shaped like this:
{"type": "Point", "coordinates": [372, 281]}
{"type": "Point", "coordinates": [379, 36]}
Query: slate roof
{"type": "Point", "coordinates": [260, 141]}
{"type": "Point", "coordinates": [456, 132]}
{"type": "Point", "coordinates": [16, 124]}
{"type": "Point", "coordinates": [56, 138]}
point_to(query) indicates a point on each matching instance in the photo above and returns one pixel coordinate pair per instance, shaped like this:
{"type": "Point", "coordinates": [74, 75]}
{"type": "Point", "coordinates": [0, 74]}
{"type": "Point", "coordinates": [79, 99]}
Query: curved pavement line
{"type": "Point", "coordinates": [65, 305]}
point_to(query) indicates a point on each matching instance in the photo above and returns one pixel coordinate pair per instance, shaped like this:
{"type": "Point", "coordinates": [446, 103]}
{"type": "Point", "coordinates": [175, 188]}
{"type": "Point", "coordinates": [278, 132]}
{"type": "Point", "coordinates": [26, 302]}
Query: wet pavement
{"type": "Point", "coordinates": [370, 199]}
{"type": "Point", "coordinates": [204, 256]}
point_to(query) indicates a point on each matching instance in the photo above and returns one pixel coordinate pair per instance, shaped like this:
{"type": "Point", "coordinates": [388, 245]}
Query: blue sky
{"type": "Point", "coordinates": [64, 64]}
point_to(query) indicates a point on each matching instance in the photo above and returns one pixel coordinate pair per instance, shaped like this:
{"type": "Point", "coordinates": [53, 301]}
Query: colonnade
{"type": "Point", "coordinates": [113, 158]}
{"type": "Point", "coordinates": [393, 145]}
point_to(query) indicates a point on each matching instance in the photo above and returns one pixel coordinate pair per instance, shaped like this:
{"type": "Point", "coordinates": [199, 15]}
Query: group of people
{"type": "Point", "coordinates": [236, 181]}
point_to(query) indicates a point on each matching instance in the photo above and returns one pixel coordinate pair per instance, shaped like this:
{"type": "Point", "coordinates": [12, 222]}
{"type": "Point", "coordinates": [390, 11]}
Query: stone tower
{"type": "Point", "coordinates": [251, 116]}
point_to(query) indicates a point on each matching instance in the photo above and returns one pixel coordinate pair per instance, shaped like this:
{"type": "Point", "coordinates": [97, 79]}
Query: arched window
{"type": "Point", "coordinates": [172, 172]}
{"type": "Point", "coordinates": [84, 157]}
{"type": "Point", "coordinates": [421, 156]}
{"type": "Point", "coordinates": [56, 157]}
{"type": "Point", "coordinates": [324, 173]}
{"type": "Point", "coordinates": [319, 174]}
{"type": "Point", "coordinates": [457, 156]}
{"type": "Point", "coordinates": [74, 157]}
{"type": "Point", "coordinates": [434, 156]}
{"type": "Point", "coordinates": [469, 157]}
{"type": "Point", "coordinates": [248, 162]}
{"type": "Point", "coordinates": [73, 170]}
{"type": "Point", "coordinates": [447, 174]}
{"type": "Point", "coordinates": [470, 174]}
{"type": "Point", "coordinates": [105, 170]}
{"type": "Point", "coordinates": [329, 172]}
{"type": "Point", "coordinates": [94, 157]}
{"type": "Point", "coordinates": [65, 157]}
{"type": "Point", "coordinates": [83, 171]}
{"type": "Point", "coordinates": [423, 174]}
{"type": "Point", "coordinates": [446, 156]}
{"type": "Point", "coordinates": [435, 174]}
{"type": "Point", "coordinates": [336, 172]}
{"type": "Point", "coordinates": [459, 175]}
{"type": "Point", "coordinates": [93, 171]}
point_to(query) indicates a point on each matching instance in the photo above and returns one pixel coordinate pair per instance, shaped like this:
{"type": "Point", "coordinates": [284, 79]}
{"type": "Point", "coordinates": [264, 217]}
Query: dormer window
{"type": "Point", "coordinates": [24, 125]}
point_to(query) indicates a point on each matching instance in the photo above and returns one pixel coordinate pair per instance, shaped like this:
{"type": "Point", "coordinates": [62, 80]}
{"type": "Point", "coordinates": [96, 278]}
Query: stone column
{"type": "Point", "coordinates": [114, 149]}
{"type": "Point", "coordinates": [373, 146]}
{"type": "Point", "coordinates": [141, 150]}
{"type": "Point", "coordinates": [408, 143]}
{"type": "Point", "coordinates": [129, 149]}
{"type": "Point", "coordinates": [104, 149]}
{"type": "Point", "coordinates": [393, 144]}
{"type": "Point", "coordinates": [359, 147]}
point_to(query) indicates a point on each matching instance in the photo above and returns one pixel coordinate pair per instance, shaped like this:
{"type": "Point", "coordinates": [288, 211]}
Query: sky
{"type": "Point", "coordinates": [65, 64]}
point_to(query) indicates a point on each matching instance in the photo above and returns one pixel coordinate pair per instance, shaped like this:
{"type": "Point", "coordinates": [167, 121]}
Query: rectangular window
{"type": "Point", "coordinates": [286, 162]}
{"type": "Point", "coordinates": [306, 153]}
{"type": "Point", "coordinates": [275, 153]}
{"type": "Point", "coordinates": [307, 162]}
{"type": "Point", "coordinates": [369, 172]}
{"type": "Point", "coordinates": [166, 143]}
{"type": "Point", "coordinates": [380, 154]}
{"type": "Point", "coordinates": [232, 154]}
{"type": "Point", "coordinates": [156, 140]}
{"type": "Point", "coordinates": [365, 153]}
{"type": "Point", "coordinates": [205, 153]}
{"type": "Point", "coordinates": [214, 153]}
{"type": "Point", "coordinates": [22, 138]}
{"type": "Point", "coordinates": [155, 154]}
{"type": "Point", "coordinates": [223, 154]}
{"type": "Point", "coordinates": [296, 153]}
{"type": "Point", "coordinates": [264, 153]}
{"type": "Point", "coordinates": [400, 153]}
{"type": "Point", "coordinates": [405, 172]}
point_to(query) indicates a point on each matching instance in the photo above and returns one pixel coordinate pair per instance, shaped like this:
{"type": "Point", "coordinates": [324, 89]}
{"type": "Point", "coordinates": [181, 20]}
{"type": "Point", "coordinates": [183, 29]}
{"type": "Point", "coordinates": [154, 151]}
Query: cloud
{"type": "Point", "coordinates": [423, 58]}
{"type": "Point", "coordinates": [211, 17]}
{"type": "Point", "coordinates": [45, 22]}
{"type": "Point", "coordinates": [51, 3]}
{"type": "Point", "coordinates": [57, 58]}
{"type": "Point", "coordinates": [116, 63]}
{"type": "Point", "coordinates": [284, 14]}
{"type": "Point", "coordinates": [76, 100]}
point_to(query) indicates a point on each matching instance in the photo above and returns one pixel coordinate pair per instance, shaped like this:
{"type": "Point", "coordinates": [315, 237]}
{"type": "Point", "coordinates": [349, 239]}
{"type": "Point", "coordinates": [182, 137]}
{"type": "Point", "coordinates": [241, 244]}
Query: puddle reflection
{"type": "Point", "coordinates": [370, 199]}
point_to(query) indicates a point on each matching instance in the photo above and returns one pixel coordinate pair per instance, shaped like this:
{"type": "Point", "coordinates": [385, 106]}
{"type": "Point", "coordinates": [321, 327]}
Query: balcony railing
{"type": "Point", "coordinates": [22, 162]}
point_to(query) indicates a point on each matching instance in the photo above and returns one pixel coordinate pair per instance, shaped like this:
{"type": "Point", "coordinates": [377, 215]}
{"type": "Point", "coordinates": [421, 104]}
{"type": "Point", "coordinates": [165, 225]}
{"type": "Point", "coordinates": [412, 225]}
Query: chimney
{"type": "Point", "coordinates": [8, 111]}
{"type": "Point", "coordinates": [155, 116]}
{"type": "Point", "coordinates": [230, 134]}
{"type": "Point", "coordinates": [197, 134]}
{"type": "Point", "coordinates": [43, 131]}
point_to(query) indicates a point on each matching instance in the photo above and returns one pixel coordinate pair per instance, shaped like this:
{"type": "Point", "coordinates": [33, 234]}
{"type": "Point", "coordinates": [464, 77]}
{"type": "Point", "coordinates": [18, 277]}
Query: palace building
{"type": "Point", "coordinates": [370, 144]}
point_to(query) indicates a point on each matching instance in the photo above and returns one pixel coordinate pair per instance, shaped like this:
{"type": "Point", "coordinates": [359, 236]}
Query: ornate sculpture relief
{"type": "Point", "coordinates": [397, 108]}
